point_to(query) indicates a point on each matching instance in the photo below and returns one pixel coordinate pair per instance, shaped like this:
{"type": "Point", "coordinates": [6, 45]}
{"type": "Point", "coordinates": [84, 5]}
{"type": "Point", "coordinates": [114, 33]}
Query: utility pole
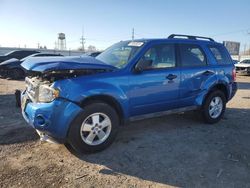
{"type": "Point", "coordinates": [248, 52]}
{"type": "Point", "coordinates": [245, 47]}
{"type": "Point", "coordinates": [133, 33]}
{"type": "Point", "coordinates": [82, 40]}
{"type": "Point", "coordinates": [56, 45]}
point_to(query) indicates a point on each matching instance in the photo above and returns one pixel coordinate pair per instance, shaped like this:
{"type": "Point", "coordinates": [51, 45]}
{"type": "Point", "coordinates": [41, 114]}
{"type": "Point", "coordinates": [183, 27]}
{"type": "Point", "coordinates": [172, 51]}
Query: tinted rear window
{"type": "Point", "coordinates": [192, 55]}
{"type": "Point", "coordinates": [220, 54]}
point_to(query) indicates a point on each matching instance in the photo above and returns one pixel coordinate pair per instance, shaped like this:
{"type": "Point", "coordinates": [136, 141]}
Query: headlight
{"type": "Point", "coordinates": [47, 94]}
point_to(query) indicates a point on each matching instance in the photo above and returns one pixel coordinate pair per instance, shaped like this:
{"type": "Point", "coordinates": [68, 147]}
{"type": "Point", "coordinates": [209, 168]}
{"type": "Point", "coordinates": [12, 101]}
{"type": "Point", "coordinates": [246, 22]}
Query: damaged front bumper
{"type": "Point", "coordinates": [51, 120]}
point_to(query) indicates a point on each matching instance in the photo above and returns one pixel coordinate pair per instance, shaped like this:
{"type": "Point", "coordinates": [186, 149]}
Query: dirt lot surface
{"type": "Point", "coordinates": [176, 150]}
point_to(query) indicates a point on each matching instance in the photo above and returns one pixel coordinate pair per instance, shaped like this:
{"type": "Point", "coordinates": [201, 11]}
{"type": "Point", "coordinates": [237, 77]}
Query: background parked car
{"type": "Point", "coordinates": [18, 54]}
{"type": "Point", "coordinates": [243, 67]}
{"type": "Point", "coordinates": [12, 68]}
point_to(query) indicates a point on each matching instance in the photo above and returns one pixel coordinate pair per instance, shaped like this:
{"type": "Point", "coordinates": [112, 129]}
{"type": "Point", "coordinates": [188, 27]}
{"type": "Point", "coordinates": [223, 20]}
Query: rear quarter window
{"type": "Point", "coordinates": [220, 54]}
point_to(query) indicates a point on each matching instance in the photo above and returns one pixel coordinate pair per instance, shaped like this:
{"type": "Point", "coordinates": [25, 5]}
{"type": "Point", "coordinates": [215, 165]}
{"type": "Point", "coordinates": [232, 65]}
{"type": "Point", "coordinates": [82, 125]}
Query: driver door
{"type": "Point", "coordinates": [155, 88]}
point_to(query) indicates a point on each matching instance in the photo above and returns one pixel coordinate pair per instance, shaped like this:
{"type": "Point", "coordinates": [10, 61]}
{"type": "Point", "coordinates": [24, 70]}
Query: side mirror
{"type": "Point", "coordinates": [142, 65]}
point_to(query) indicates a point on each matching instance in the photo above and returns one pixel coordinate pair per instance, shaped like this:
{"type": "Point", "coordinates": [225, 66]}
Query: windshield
{"type": "Point", "coordinates": [120, 53]}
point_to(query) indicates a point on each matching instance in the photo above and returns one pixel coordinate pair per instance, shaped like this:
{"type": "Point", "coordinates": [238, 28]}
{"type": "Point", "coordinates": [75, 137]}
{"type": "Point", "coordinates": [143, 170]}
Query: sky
{"type": "Point", "coordinates": [29, 22]}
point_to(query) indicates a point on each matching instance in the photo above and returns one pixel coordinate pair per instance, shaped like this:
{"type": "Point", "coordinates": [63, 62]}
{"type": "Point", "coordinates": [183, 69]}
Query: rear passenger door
{"type": "Point", "coordinates": [195, 71]}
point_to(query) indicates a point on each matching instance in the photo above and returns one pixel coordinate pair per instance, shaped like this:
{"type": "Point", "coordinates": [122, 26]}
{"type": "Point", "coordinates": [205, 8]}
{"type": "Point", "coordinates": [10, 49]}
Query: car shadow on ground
{"type": "Point", "coordinates": [180, 150]}
{"type": "Point", "coordinates": [13, 128]}
{"type": "Point", "coordinates": [243, 85]}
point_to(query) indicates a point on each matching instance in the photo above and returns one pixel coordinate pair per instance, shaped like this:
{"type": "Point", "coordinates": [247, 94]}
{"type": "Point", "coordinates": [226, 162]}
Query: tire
{"type": "Point", "coordinates": [87, 127]}
{"type": "Point", "coordinates": [16, 74]}
{"type": "Point", "coordinates": [214, 114]}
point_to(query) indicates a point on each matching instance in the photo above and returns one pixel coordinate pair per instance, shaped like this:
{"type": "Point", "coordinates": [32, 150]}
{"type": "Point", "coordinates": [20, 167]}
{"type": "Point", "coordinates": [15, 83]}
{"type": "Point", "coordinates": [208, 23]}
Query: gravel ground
{"type": "Point", "coordinates": [172, 151]}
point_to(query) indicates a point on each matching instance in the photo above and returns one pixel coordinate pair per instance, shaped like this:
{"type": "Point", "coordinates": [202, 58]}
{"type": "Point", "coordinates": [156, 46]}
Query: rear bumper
{"type": "Point", "coordinates": [51, 120]}
{"type": "Point", "coordinates": [233, 90]}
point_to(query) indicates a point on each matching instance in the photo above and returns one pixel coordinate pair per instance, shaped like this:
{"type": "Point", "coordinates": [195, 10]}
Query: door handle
{"type": "Point", "coordinates": [171, 76]}
{"type": "Point", "coordinates": [208, 72]}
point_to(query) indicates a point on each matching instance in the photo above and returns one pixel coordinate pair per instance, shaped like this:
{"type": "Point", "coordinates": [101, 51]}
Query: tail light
{"type": "Point", "coordinates": [234, 74]}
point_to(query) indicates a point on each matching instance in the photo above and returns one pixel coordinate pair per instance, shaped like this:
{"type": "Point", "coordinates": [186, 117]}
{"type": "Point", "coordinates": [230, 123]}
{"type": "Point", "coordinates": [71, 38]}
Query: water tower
{"type": "Point", "coordinates": [61, 41]}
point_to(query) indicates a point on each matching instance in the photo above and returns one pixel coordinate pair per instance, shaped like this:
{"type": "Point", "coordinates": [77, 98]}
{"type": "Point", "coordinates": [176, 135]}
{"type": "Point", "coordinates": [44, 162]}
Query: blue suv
{"type": "Point", "coordinates": [82, 101]}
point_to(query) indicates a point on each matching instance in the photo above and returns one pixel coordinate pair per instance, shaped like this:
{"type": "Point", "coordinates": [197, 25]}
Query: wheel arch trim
{"type": "Point", "coordinates": [113, 102]}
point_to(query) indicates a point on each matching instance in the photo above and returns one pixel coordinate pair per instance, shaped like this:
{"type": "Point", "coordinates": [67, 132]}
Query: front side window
{"type": "Point", "coordinates": [160, 56]}
{"type": "Point", "coordinates": [120, 54]}
{"type": "Point", "coordinates": [192, 55]}
{"type": "Point", "coordinates": [220, 55]}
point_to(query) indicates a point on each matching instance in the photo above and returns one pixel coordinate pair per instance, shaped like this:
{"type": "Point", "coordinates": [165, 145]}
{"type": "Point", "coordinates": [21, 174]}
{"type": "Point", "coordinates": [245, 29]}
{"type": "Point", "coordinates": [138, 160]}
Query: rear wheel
{"type": "Point", "coordinates": [94, 129]}
{"type": "Point", "coordinates": [214, 107]}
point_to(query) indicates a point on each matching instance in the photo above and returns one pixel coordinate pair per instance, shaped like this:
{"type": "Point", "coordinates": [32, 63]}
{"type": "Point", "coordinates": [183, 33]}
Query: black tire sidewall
{"type": "Point", "coordinates": [205, 110]}
{"type": "Point", "coordinates": [74, 138]}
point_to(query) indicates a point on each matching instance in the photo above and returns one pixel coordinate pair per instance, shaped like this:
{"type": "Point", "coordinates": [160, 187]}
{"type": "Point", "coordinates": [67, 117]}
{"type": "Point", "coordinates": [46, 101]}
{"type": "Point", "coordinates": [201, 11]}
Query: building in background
{"type": "Point", "coordinates": [232, 47]}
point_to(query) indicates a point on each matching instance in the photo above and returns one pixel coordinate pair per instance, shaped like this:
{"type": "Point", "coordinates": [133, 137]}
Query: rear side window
{"type": "Point", "coordinates": [220, 54]}
{"type": "Point", "coordinates": [192, 55]}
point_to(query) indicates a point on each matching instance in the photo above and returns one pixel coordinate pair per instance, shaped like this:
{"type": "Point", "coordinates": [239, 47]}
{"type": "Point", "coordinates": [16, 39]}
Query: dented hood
{"type": "Point", "coordinates": [48, 64]}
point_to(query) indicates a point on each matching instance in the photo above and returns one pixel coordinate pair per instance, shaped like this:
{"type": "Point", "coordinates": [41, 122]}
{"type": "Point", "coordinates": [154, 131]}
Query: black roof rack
{"type": "Point", "coordinates": [190, 37]}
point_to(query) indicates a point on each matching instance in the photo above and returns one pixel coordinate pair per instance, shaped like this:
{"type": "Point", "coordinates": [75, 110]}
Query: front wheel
{"type": "Point", "coordinates": [214, 107]}
{"type": "Point", "coordinates": [94, 129]}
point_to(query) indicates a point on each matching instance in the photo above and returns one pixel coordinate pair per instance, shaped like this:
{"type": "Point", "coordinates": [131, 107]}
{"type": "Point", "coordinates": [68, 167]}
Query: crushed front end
{"type": "Point", "coordinates": [44, 109]}
{"type": "Point", "coordinates": [45, 105]}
